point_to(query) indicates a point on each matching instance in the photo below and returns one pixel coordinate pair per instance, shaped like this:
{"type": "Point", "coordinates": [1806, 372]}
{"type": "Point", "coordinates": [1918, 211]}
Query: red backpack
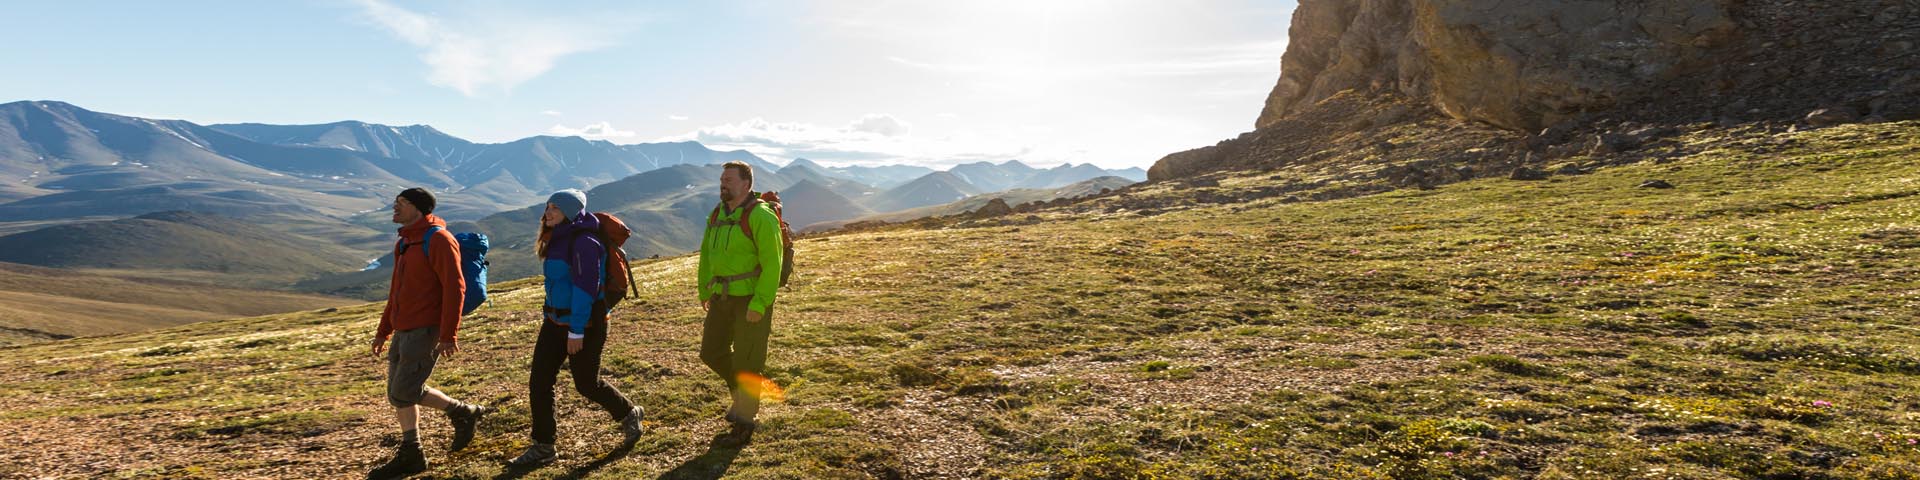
{"type": "Point", "coordinates": [772, 199]}
{"type": "Point", "coordinates": [613, 234]}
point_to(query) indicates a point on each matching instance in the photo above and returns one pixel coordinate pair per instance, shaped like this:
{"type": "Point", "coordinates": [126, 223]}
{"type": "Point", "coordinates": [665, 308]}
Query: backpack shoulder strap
{"type": "Point", "coordinates": [746, 212]}
{"type": "Point", "coordinates": [426, 245]}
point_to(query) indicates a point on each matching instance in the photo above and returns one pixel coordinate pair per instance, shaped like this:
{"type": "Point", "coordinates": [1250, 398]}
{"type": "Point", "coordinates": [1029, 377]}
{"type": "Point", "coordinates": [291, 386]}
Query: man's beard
{"type": "Point", "coordinates": [726, 195]}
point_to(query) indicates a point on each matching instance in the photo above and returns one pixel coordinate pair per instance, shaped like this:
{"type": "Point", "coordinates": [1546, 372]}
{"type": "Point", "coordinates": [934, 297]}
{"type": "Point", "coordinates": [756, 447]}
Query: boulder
{"type": "Point", "coordinates": [994, 208]}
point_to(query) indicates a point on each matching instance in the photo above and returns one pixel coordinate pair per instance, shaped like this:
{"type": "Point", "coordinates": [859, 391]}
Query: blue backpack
{"type": "Point", "coordinates": [473, 265]}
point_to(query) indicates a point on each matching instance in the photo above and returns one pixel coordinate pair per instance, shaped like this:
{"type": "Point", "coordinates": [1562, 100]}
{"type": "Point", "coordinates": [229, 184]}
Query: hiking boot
{"type": "Point", "coordinates": [741, 433]}
{"type": "Point", "coordinates": [536, 455]}
{"type": "Point", "coordinates": [464, 422]}
{"type": "Point", "coordinates": [408, 460]}
{"type": "Point", "coordinates": [631, 427]}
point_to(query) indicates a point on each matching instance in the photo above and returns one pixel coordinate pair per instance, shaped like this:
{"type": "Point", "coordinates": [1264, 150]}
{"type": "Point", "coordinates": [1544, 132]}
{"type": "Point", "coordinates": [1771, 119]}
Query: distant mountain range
{"type": "Point", "coordinates": [279, 203]}
{"type": "Point", "coordinates": [61, 161]}
{"type": "Point", "coordinates": [832, 180]}
{"type": "Point", "coordinates": [66, 161]}
{"type": "Point", "coordinates": [933, 189]}
{"type": "Point", "coordinates": [494, 177]}
{"type": "Point", "coordinates": [881, 177]}
{"type": "Point", "coordinates": [1012, 174]}
{"type": "Point", "coordinates": [983, 176]}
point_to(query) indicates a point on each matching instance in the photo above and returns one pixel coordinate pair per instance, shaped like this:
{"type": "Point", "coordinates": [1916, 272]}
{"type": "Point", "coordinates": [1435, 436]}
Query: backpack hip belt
{"type": "Point", "coordinates": [727, 281]}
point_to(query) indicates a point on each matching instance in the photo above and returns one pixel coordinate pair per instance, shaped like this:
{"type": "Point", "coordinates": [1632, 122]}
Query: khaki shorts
{"type": "Point", "coordinates": [409, 362]}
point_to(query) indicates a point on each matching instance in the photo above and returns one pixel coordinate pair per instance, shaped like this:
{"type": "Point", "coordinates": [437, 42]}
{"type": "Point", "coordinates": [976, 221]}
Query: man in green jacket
{"type": "Point", "coordinates": [739, 271]}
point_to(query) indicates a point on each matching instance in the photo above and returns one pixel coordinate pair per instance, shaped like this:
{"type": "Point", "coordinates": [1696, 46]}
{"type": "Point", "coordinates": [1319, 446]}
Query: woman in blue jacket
{"type": "Point", "coordinates": [574, 325]}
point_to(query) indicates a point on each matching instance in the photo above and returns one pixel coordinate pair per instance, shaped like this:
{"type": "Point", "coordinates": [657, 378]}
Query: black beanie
{"type": "Point", "coordinates": [420, 198]}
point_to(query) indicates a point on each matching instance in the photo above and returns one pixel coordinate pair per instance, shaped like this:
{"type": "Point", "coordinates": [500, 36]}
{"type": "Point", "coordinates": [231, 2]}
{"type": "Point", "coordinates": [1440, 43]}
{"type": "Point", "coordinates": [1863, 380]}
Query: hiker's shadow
{"type": "Point", "coordinates": [514, 473]}
{"type": "Point", "coordinates": [708, 466]}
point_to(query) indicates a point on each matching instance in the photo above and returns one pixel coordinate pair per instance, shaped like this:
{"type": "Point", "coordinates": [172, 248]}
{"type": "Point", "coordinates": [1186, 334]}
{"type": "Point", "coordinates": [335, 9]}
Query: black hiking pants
{"type": "Point", "coordinates": [730, 345]}
{"type": "Point", "coordinates": [549, 352]}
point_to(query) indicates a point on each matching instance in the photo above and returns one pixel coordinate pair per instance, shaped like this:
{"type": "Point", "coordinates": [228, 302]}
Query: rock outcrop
{"type": "Point", "coordinates": [1430, 87]}
{"type": "Point", "coordinates": [1527, 65]}
{"type": "Point", "coordinates": [994, 208]}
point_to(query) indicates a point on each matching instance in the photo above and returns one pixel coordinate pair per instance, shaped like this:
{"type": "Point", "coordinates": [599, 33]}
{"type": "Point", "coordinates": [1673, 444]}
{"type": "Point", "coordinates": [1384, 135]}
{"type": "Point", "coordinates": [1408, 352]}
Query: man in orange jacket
{"type": "Point", "coordinates": [423, 312]}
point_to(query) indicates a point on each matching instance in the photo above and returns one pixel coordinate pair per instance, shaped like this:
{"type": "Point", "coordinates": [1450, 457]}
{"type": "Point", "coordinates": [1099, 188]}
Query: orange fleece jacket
{"type": "Point", "coordinates": [426, 290]}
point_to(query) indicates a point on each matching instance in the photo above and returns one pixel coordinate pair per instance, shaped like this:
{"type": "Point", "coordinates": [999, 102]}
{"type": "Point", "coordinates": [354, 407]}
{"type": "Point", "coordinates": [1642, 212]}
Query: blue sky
{"type": "Point", "coordinates": [1118, 83]}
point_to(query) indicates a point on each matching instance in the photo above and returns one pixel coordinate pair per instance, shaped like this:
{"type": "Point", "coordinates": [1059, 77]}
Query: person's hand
{"type": "Point", "coordinates": [706, 305]}
{"type": "Point", "coordinates": [379, 345]}
{"type": "Point", "coordinates": [446, 349]}
{"type": "Point", "coordinates": [753, 316]}
{"type": "Point", "coordinates": [574, 344]}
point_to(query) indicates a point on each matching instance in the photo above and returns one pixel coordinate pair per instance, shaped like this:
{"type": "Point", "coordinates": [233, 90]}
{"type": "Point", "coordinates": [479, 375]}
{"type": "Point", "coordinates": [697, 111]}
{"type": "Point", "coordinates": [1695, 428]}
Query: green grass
{"type": "Point", "coordinates": [1756, 321]}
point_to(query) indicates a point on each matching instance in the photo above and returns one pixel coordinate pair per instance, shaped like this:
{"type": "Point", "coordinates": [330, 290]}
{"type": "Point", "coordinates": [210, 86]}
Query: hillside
{"type": "Point", "coordinates": [1018, 198]}
{"type": "Point", "coordinates": [1752, 321]}
{"type": "Point", "coordinates": [41, 304]}
{"type": "Point", "coordinates": [235, 251]}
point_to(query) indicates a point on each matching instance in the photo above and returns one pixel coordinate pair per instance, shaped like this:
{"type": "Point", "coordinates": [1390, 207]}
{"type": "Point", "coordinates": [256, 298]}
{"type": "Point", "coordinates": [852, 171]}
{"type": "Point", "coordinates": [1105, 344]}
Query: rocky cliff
{"type": "Point", "coordinates": [1568, 77]}
{"type": "Point", "coordinates": [1528, 65]}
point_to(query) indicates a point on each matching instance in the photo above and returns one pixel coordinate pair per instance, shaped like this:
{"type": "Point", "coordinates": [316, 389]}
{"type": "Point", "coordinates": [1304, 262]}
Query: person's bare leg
{"type": "Point", "coordinates": [409, 418]}
{"type": "Point", "coordinates": [435, 400]}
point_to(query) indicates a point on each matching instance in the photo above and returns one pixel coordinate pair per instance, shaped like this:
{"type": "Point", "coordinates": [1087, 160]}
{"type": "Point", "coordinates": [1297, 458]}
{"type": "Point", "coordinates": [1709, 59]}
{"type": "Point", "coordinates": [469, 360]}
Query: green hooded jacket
{"type": "Point", "coordinates": [726, 251]}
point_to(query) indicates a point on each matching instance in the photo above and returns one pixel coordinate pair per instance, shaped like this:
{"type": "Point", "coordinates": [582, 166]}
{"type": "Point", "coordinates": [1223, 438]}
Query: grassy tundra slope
{"type": "Point", "coordinates": [41, 304]}
{"type": "Point", "coordinates": [1754, 321]}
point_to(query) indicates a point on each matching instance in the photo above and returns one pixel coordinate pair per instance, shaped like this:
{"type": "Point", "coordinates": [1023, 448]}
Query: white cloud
{"type": "Point", "coordinates": [885, 125]}
{"type": "Point", "coordinates": [676, 117]}
{"type": "Point", "coordinates": [479, 54]}
{"type": "Point", "coordinates": [550, 113]}
{"type": "Point", "coordinates": [598, 131]}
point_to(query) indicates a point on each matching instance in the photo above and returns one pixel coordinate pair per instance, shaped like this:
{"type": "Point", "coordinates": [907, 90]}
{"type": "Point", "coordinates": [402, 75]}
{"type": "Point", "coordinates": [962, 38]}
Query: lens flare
{"type": "Point", "coordinates": [761, 387]}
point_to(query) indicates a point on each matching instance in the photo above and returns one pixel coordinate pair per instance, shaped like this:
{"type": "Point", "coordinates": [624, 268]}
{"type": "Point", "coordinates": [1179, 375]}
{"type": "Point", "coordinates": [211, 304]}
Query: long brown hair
{"type": "Point", "coordinates": [546, 235]}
